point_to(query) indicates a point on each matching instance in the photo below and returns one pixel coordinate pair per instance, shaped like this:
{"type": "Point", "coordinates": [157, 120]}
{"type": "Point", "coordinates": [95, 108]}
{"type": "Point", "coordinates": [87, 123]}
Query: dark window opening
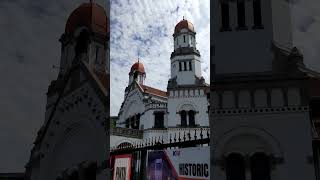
{"type": "Point", "coordinates": [180, 67]}
{"type": "Point", "coordinates": [127, 123]}
{"type": "Point", "coordinates": [185, 65]}
{"type": "Point", "coordinates": [260, 167]}
{"type": "Point", "coordinates": [159, 120]}
{"type": "Point", "coordinates": [135, 75]}
{"type": "Point", "coordinates": [190, 66]}
{"type": "Point", "coordinates": [82, 43]}
{"type": "Point", "coordinates": [257, 17]}
{"type": "Point", "coordinates": [235, 167]}
{"type": "Point", "coordinates": [241, 14]}
{"type": "Point", "coordinates": [137, 124]}
{"type": "Point", "coordinates": [225, 16]}
{"type": "Point", "coordinates": [192, 122]}
{"type": "Point", "coordinates": [184, 38]}
{"type": "Point", "coordinates": [183, 115]}
{"type": "Point", "coordinates": [132, 121]}
{"type": "Point", "coordinates": [135, 121]}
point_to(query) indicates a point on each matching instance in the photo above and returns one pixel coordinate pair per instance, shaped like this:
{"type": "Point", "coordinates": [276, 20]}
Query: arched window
{"type": "Point", "coordinates": [190, 66]}
{"type": "Point", "coordinates": [180, 66]}
{"type": "Point", "coordinates": [132, 122]}
{"type": "Point", "coordinates": [225, 16]}
{"type": "Point", "coordinates": [82, 42]}
{"type": "Point", "coordinates": [183, 115]}
{"type": "Point", "coordinates": [257, 17]}
{"type": "Point", "coordinates": [241, 14]}
{"type": "Point", "coordinates": [192, 122]}
{"type": "Point", "coordinates": [260, 167]}
{"type": "Point", "coordinates": [159, 120]}
{"type": "Point", "coordinates": [127, 123]}
{"type": "Point", "coordinates": [137, 123]}
{"type": "Point", "coordinates": [185, 65]}
{"type": "Point", "coordinates": [235, 167]}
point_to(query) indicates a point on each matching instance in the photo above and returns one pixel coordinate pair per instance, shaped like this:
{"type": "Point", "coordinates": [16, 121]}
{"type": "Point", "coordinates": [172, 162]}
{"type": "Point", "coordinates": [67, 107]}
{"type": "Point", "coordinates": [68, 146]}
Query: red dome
{"type": "Point", "coordinates": [90, 15]}
{"type": "Point", "coordinates": [184, 24]}
{"type": "Point", "coordinates": [137, 67]}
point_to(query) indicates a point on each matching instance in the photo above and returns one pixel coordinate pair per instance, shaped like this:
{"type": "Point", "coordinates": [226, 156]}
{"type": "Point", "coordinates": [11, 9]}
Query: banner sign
{"type": "Point", "coordinates": [122, 167]}
{"type": "Point", "coordinates": [179, 164]}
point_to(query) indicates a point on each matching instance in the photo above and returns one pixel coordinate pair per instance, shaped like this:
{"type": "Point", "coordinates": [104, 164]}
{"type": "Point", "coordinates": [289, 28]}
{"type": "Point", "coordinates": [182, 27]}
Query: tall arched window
{"type": "Point", "coordinates": [257, 17]}
{"type": "Point", "coordinates": [225, 16]}
{"type": "Point", "coordinates": [183, 115]}
{"type": "Point", "coordinates": [82, 42]}
{"type": "Point", "coordinates": [241, 14]}
{"type": "Point", "coordinates": [260, 167]}
{"type": "Point", "coordinates": [192, 122]}
{"type": "Point", "coordinates": [127, 123]}
{"type": "Point", "coordinates": [159, 120]}
{"type": "Point", "coordinates": [235, 167]}
{"type": "Point", "coordinates": [132, 120]}
{"type": "Point", "coordinates": [137, 125]}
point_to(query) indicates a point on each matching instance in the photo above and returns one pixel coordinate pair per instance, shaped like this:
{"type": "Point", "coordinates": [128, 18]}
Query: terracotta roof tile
{"type": "Point", "coordinates": [91, 15]}
{"type": "Point", "coordinates": [154, 91]}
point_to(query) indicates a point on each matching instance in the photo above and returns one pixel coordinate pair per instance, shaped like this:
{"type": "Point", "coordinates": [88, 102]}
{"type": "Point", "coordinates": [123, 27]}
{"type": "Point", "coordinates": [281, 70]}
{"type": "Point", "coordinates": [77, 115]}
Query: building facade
{"type": "Point", "coordinates": [73, 141]}
{"type": "Point", "coordinates": [148, 113]}
{"type": "Point", "coordinates": [262, 117]}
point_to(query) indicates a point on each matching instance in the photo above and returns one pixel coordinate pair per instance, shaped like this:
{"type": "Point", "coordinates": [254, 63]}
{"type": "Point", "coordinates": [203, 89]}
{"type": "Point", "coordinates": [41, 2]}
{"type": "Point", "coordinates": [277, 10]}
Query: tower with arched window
{"type": "Point", "coordinates": [187, 90]}
{"type": "Point", "coordinates": [77, 103]}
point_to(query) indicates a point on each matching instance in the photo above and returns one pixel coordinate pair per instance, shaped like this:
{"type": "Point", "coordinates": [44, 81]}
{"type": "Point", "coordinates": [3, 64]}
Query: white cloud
{"type": "Point", "coordinates": [145, 28]}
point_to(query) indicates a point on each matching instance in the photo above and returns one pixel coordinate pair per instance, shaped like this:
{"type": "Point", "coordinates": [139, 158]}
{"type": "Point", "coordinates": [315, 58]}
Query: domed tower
{"type": "Point", "coordinates": [83, 71]}
{"type": "Point", "coordinates": [137, 73]}
{"type": "Point", "coordinates": [85, 38]}
{"type": "Point", "coordinates": [185, 59]}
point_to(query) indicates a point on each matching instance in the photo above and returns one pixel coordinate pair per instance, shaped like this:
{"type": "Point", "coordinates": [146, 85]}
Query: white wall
{"type": "Point", "coordinates": [197, 98]}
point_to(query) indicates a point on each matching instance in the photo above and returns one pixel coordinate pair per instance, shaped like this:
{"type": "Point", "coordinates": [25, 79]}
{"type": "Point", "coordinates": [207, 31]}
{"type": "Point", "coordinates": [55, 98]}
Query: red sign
{"type": "Point", "coordinates": [122, 167]}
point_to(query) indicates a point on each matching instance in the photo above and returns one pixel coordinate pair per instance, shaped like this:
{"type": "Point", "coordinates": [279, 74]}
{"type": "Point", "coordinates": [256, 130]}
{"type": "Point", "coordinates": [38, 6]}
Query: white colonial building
{"type": "Point", "coordinates": [73, 140]}
{"type": "Point", "coordinates": [148, 113]}
{"type": "Point", "coordinates": [264, 101]}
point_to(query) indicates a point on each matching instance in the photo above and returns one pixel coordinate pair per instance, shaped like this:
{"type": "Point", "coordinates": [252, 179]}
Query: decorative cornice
{"type": "Point", "coordinates": [269, 110]}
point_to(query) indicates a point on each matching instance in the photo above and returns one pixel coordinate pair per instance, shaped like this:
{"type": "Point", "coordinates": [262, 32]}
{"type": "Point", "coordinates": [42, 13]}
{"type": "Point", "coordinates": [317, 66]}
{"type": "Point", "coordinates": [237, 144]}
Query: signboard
{"type": "Point", "coordinates": [122, 167]}
{"type": "Point", "coordinates": [179, 164]}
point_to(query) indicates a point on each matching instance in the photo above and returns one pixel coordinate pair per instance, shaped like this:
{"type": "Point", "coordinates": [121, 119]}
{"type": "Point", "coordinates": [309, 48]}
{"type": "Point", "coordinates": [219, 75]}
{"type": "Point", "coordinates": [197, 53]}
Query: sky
{"type": "Point", "coordinates": [29, 47]}
{"type": "Point", "coordinates": [143, 29]}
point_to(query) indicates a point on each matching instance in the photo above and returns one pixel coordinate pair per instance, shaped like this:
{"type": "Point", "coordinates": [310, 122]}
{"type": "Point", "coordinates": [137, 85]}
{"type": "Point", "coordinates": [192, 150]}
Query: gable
{"type": "Point", "coordinates": [133, 101]}
{"type": "Point", "coordinates": [76, 78]}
